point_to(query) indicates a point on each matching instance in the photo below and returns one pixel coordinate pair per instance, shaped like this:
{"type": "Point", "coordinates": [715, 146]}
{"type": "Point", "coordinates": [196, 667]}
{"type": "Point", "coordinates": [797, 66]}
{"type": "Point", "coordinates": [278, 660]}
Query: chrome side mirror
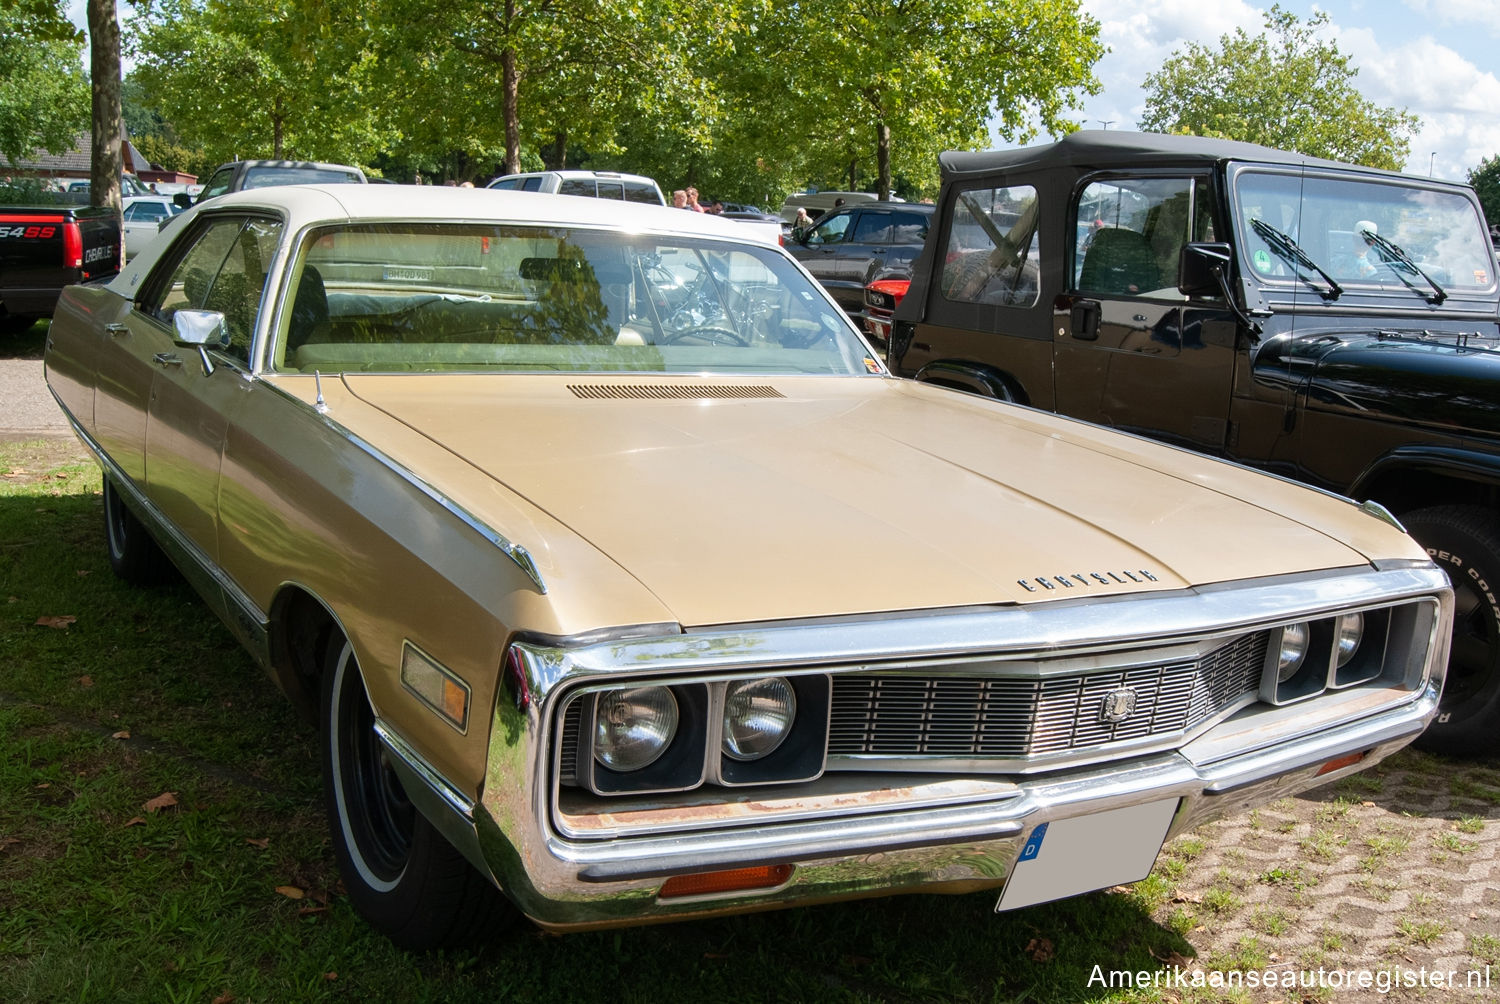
{"type": "Point", "coordinates": [201, 330]}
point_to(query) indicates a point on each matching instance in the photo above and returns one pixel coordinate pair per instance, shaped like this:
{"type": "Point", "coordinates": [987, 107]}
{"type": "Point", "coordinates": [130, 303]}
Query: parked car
{"type": "Point", "coordinates": [593, 184]}
{"type": "Point", "coordinates": [1324, 321]}
{"type": "Point", "coordinates": [819, 203]}
{"type": "Point", "coordinates": [848, 248]}
{"type": "Point", "coordinates": [622, 578]}
{"type": "Point", "coordinates": [242, 174]}
{"type": "Point", "coordinates": [44, 248]}
{"type": "Point", "coordinates": [142, 216]}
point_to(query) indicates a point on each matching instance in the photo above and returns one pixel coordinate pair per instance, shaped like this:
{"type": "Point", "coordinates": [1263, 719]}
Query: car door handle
{"type": "Point", "coordinates": [1085, 317]}
{"type": "Point", "coordinates": [116, 329]}
{"type": "Point", "coordinates": [168, 358]}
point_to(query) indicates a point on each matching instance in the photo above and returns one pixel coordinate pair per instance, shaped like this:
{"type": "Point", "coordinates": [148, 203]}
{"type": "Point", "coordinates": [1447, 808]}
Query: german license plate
{"type": "Point", "coordinates": [1066, 857]}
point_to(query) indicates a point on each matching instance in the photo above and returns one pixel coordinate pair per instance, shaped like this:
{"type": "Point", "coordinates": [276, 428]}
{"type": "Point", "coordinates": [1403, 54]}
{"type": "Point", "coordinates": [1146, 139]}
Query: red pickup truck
{"type": "Point", "coordinates": [43, 249]}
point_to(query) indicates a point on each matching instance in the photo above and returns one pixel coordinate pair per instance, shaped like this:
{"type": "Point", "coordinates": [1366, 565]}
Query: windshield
{"type": "Point", "coordinates": [463, 296]}
{"type": "Point", "coordinates": [1366, 233]}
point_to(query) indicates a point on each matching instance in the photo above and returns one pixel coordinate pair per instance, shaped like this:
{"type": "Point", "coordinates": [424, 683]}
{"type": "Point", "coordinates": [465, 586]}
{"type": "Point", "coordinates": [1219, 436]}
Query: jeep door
{"type": "Point", "coordinates": [1130, 350]}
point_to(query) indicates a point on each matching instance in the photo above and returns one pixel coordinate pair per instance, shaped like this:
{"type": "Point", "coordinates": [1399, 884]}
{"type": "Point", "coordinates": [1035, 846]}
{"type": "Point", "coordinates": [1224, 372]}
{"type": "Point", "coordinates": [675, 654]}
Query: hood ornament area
{"type": "Point", "coordinates": [1081, 581]}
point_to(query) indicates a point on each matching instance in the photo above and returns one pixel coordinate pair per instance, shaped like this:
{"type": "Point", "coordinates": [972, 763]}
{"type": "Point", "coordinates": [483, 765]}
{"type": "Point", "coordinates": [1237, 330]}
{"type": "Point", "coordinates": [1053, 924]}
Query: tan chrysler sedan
{"type": "Point", "coordinates": [622, 579]}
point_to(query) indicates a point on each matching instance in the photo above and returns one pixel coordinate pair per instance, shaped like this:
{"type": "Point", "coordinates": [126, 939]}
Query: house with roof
{"type": "Point", "coordinates": [76, 165]}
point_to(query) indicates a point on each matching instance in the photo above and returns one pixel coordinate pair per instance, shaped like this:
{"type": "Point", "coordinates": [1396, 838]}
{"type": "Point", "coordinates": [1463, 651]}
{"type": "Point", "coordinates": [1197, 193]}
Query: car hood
{"type": "Point", "coordinates": [740, 501]}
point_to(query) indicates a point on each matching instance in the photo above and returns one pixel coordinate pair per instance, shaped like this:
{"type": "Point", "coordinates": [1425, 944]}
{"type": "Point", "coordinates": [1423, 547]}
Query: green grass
{"type": "Point", "coordinates": [144, 693]}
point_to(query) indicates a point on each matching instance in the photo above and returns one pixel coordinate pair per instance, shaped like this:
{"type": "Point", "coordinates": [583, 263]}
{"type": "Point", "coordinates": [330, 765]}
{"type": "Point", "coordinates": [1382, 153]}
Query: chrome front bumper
{"type": "Point", "coordinates": [954, 848]}
{"type": "Point", "coordinates": [876, 834]}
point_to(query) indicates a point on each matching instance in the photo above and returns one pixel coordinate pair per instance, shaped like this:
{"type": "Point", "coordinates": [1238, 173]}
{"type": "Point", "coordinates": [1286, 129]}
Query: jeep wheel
{"type": "Point", "coordinates": [1465, 543]}
{"type": "Point", "coordinates": [401, 874]}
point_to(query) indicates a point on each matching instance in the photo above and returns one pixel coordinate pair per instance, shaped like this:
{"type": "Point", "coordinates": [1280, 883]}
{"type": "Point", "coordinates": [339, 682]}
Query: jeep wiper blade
{"type": "Point", "coordinates": [1391, 250]}
{"type": "Point", "coordinates": [1295, 256]}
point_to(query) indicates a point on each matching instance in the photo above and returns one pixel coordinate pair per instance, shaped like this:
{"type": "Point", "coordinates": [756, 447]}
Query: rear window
{"type": "Point", "coordinates": [271, 177]}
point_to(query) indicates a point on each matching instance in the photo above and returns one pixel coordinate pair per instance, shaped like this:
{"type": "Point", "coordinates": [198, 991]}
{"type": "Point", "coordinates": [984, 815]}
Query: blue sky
{"type": "Point", "coordinates": [1428, 56]}
{"type": "Point", "coordinates": [1431, 57]}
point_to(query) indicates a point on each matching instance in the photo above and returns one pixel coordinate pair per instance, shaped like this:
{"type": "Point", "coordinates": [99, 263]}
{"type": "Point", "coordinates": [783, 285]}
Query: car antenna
{"type": "Point", "coordinates": [320, 405]}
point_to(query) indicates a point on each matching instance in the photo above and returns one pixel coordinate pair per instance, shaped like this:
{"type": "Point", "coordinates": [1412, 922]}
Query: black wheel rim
{"type": "Point", "coordinates": [381, 817]}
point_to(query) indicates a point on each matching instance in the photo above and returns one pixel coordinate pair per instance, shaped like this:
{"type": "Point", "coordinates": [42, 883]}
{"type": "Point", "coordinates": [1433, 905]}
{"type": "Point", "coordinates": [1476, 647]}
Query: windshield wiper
{"type": "Point", "coordinates": [1294, 255]}
{"type": "Point", "coordinates": [1392, 250]}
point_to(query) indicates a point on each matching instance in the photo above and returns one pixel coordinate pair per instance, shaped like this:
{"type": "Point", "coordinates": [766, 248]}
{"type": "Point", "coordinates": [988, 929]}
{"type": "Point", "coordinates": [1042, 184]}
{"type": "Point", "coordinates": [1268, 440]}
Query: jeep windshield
{"type": "Point", "coordinates": [1373, 233]}
{"type": "Point", "coordinates": [395, 297]}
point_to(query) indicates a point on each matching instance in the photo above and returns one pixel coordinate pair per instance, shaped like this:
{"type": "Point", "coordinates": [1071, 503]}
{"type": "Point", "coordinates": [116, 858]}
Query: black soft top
{"type": "Point", "coordinates": [1104, 148]}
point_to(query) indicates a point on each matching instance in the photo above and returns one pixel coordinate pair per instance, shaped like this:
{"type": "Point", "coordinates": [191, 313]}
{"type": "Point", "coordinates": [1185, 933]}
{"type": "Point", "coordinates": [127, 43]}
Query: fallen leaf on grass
{"type": "Point", "coordinates": [85, 681]}
{"type": "Point", "coordinates": [45, 784]}
{"type": "Point", "coordinates": [1368, 805]}
{"type": "Point", "coordinates": [1187, 897]}
{"type": "Point", "coordinates": [85, 571]}
{"type": "Point", "coordinates": [135, 821]}
{"type": "Point", "coordinates": [261, 842]}
{"type": "Point", "coordinates": [122, 734]}
{"type": "Point", "coordinates": [6, 843]}
{"type": "Point", "coordinates": [165, 800]}
{"type": "Point", "coordinates": [1175, 959]}
{"type": "Point", "coordinates": [290, 891]}
{"type": "Point", "coordinates": [224, 999]}
{"type": "Point", "coordinates": [57, 622]}
{"type": "Point", "coordinates": [16, 470]}
{"type": "Point", "coordinates": [330, 977]}
{"type": "Point", "coordinates": [1040, 950]}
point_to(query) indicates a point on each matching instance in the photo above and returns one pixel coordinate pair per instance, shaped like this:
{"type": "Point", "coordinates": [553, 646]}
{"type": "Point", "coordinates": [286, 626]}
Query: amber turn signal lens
{"type": "Point", "coordinates": [761, 877]}
{"type": "Point", "coordinates": [1339, 763]}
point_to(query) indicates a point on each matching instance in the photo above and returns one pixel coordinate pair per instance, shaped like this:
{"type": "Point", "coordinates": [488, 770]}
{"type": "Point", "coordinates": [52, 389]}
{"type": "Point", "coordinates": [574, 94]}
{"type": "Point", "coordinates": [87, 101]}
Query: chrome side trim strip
{"type": "Point", "coordinates": [516, 552]}
{"type": "Point", "coordinates": [453, 799]}
{"type": "Point", "coordinates": [439, 802]}
{"type": "Point", "coordinates": [224, 596]}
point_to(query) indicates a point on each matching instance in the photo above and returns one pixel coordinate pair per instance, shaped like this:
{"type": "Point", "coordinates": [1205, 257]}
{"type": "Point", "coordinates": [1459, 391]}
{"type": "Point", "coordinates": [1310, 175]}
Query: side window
{"type": "Point", "coordinates": [1129, 234]}
{"type": "Point", "coordinates": [225, 270]}
{"type": "Point", "coordinates": [531, 185]}
{"type": "Point", "coordinates": [908, 228]}
{"type": "Point", "coordinates": [872, 228]}
{"type": "Point", "coordinates": [576, 186]}
{"type": "Point", "coordinates": [993, 250]}
{"type": "Point", "coordinates": [218, 184]}
{"type": "Point", "coordinates": [832, 230]}
{"type": "Point", "coordinates": [636, 191]}
{"type": "Point", "coordinates": [506, 183]}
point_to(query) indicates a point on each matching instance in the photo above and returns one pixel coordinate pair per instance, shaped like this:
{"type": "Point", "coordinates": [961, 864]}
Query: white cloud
{"type": "Point", "coordinates": [1465, 14]}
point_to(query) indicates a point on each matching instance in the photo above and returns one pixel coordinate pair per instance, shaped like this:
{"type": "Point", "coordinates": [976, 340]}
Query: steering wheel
{"type": "Point", "coordinates": [711, 334]}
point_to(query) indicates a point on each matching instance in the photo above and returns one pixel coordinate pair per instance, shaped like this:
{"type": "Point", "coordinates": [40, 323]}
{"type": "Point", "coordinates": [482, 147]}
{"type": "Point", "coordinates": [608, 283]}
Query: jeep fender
{"type": "Point", "coordinates": [974, 378]}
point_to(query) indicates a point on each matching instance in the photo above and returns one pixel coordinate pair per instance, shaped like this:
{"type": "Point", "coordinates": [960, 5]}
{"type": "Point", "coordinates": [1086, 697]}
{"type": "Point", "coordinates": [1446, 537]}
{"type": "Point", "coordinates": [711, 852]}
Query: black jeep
{"type": "Point", "coordinates": [1334, 324]}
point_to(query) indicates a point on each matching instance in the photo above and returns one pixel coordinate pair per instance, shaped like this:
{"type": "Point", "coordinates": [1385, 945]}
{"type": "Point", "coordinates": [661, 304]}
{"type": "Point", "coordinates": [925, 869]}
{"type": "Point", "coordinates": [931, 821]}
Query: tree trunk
{"type": "Point", "coordinates": [108, 131]}
{"type": "Point", "coordinates": [559, 158]}
{"type": "Point", "coordinates": [883, 160]}
{"type": "Point", "coordinates": [853, 174]}
{"type": "Point", "coordinates": [510, 87]}
{"type": "Point", "coordinates": [277, 120]}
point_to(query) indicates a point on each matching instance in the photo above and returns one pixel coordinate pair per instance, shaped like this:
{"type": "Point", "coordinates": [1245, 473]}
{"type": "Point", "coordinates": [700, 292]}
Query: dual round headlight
{"type": "Point", "coordinates": [1293, 652]}
{"type": "Point", "coordinates": [633, 727]}
{"type": "Point", "coordinates": [1350, 631]}
{"type": "Point", "coordinates": [758, 715]}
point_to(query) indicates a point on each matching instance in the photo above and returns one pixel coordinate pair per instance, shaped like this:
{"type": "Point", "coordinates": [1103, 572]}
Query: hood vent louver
{"type": "Point", "coordinates": [676, 392]}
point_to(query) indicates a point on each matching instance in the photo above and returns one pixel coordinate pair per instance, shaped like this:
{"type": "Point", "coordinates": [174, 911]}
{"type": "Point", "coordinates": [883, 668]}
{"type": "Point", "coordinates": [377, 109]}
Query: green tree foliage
{"type": "Point", "coordinates": [503, 75]}
{"type": "Point", "coordinates": [892, 83]}
{"type": "Point", "coordinates": [1486, 181]}
{"type": "Point", "coordinates": [1287, 88]}
{"type": "Point", "coordinates": [44, 94]}
{"type": "Point", "coordinates": [259, 78]}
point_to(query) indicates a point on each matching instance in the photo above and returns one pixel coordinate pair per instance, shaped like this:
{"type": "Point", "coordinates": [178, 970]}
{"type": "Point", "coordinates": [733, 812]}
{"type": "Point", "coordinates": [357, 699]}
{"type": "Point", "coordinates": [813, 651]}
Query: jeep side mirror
{"type": "Point", "coordinates": [182, 199]}
{"type": "Point", "coordinates": [1197, 265]}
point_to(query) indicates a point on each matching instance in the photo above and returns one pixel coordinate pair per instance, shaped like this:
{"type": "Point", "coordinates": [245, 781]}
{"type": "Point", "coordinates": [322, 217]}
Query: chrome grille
{"type": "Point", "coordinates": [910, 716]}
{"type": "Point", "coordinates": [1007, 717]}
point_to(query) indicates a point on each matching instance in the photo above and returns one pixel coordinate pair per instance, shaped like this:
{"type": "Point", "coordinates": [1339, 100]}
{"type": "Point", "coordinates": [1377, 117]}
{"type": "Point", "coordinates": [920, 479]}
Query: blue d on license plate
{"type": "Point", "coordinates": [1066, 857]}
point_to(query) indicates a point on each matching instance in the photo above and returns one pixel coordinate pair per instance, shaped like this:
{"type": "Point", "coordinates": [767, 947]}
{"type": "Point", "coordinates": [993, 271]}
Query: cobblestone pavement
{"type": "Point", "coordinates": [1394, 872]}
